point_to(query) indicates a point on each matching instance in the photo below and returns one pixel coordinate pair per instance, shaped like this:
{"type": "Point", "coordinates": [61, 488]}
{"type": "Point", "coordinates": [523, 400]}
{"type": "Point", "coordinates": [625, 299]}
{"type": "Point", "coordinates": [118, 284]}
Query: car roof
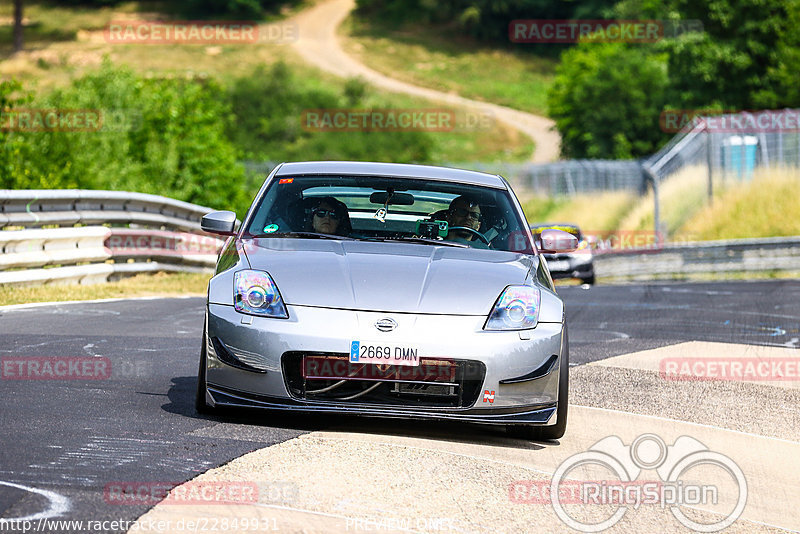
{"type": "Point", "coordinates": [396, 170]}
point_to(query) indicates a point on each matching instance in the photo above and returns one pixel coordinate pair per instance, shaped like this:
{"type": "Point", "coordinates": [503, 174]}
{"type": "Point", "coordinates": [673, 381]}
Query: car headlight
{"type": "Point", "coordinates": [517, 308]}
{"type": "Point", "coordinates": [256, 294]}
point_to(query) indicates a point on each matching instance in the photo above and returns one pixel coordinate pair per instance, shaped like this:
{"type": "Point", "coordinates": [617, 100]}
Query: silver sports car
{"type": "Point", "coordinates": [386, 290]}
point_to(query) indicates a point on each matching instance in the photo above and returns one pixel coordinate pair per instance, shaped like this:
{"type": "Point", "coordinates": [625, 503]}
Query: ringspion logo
{"type": "Point", "coordinates": [688, 475]}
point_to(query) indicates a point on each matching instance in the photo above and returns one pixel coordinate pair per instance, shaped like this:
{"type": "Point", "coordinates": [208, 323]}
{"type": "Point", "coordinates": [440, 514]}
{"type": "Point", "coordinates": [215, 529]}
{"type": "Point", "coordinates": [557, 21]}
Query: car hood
{"type": "Point", "coordinates": [391, 277]}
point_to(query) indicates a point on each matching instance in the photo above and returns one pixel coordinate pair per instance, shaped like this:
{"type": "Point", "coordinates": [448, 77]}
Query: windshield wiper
{"type": "Point", "coordinates": [304, 235]}
{"type": "Point", "coordinates": [423, 240]}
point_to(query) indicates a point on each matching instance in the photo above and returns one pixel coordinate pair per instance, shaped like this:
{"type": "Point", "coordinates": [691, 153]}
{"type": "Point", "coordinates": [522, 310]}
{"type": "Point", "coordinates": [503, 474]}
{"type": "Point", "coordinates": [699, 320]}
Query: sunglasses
{"type": "Point", "coordinates": [326, 213]}
{"type": "Point", "coordinates": [474, 215]}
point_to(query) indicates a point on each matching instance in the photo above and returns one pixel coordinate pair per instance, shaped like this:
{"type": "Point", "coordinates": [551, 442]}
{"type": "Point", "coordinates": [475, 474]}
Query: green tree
{"type": "Point", "coordinates": [161, 136]}
{"type": "Point", "coordinates": [740, 58]}
{"type": "Point", "coordinates": [606, 99]}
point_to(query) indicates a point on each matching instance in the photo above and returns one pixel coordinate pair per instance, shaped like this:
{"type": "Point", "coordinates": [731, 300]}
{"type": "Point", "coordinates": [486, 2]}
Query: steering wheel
{"type": "Point", "coordinates": [472, 231]}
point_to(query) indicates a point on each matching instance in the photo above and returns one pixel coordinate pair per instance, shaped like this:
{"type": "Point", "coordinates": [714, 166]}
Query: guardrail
{"type": "Point", "coordinates": [729, 256]}
{"type": "Point", "coordinates": [160, 234]}
{"type": "Point", "coordinates": [68, 207]}
{"type": "Point", "coordinates": [163, 234]}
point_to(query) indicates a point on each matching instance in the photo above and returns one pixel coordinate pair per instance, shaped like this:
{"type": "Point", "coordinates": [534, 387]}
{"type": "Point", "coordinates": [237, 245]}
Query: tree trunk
{"type": "Point", "coordinates": [17, 25]}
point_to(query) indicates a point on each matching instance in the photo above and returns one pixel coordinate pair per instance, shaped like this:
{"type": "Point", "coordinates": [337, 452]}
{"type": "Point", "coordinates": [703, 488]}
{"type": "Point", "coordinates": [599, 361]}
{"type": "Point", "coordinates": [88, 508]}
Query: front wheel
{"type": "Point", "coordinates": [200, 403]}
{"type": "Point", "coordinates": [537, 432]}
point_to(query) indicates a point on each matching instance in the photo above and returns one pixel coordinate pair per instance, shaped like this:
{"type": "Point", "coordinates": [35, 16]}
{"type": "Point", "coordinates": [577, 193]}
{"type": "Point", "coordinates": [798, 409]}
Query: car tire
{"type": "Point", "coordinates": [590, 280]}
{"type": "Point", "coordinates": [200, 404]}
{"type": "Point", "coordinates": [556, 431]}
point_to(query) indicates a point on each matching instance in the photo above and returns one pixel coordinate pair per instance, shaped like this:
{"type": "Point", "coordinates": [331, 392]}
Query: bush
{"type": "Point", "coordinates": [184, 138]}
{"type": "Point", "coordinates": [161, 136]}
{"type": "Point", "coordinates": [606, 99]}
{"type": "Point", "coordinates": [268, 105]}
{"type": "Point", "coordinates": [229, 9]}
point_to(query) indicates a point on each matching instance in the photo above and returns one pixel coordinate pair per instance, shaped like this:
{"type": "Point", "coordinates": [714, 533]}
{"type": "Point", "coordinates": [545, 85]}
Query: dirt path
{"type": "Point", "coordinates": [319, 45]}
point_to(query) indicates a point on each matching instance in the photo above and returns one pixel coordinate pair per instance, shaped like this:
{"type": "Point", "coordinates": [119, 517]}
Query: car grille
{"type": "Point", "coordinates": [330, 377]}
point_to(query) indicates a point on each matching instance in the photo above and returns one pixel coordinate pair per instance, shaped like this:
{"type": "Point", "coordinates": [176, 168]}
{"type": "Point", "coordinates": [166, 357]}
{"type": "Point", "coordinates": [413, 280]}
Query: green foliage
{"type": "Point", "coordinates": [230, 9]}
{"type": "Point", "coordinates": [736, 60]}
{"type": "Point", "coordinates": [485, 20]}
{"type": "Point", "coordinates": [161, 136]}
{"type": "Point", "coordinates": [13, 150]}
{"type": "Point", "coordinates": [269, 103]}
{"type": "Point", "coordinates": [606, 99]}
{"type": "Point", "coordinates": [183, 138]}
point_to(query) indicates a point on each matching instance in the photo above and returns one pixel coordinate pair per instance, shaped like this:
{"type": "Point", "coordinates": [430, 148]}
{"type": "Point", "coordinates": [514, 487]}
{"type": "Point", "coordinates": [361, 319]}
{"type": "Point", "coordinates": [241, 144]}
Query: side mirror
{"type": "Point", "coordinates": [219, 222]}
{"type": "Point", "coordinates": [554, 241]}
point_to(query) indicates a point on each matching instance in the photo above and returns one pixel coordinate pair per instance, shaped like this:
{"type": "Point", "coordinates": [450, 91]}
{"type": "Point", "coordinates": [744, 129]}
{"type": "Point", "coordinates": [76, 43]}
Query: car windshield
{"type": "Point", "coordinates": [385, 208]}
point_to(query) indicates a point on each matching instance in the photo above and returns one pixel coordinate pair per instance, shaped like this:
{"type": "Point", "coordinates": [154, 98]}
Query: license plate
{"type": "Point", "coordinates": [383, 353]}
{"type": "Point", "coordinates": [558, 265]}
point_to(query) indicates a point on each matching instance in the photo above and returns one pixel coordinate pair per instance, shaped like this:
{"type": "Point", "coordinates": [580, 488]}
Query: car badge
{"type": "Point", "coordinates": [386, 324]}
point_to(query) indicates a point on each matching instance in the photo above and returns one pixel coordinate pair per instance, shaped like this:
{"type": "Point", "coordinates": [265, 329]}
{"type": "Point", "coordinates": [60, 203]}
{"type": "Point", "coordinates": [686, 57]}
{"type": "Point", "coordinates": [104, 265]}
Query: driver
{"type": "Point", "coordinates": [465, 212]}
{"type": "Point", "coordinates": [330, 216]}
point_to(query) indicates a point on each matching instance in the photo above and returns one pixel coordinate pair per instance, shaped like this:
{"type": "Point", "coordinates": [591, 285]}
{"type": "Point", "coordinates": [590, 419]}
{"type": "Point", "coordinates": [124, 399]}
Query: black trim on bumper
{"type": "Point", "coordinates": [539, 372]}
{"type": "Point", "coordinates": [225, 356]}
{"type": "Point", "coordinates": [538, 414]}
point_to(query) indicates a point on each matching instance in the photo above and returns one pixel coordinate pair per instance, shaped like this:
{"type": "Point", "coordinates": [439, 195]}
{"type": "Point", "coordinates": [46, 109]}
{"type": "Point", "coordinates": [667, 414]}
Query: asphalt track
{"type": "Point", "coordinates": [66, 441]}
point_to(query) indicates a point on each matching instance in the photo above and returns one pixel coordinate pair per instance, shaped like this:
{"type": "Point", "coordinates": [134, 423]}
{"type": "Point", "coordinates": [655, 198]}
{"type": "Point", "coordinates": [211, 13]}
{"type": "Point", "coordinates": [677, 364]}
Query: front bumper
{"type": "Point", "coordinates": [518, 383]}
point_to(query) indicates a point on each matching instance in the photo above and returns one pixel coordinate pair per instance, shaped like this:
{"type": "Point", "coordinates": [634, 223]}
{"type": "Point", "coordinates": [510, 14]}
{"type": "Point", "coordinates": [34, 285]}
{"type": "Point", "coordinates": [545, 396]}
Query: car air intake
{"type": "Point", "coordinates": [330, 377]}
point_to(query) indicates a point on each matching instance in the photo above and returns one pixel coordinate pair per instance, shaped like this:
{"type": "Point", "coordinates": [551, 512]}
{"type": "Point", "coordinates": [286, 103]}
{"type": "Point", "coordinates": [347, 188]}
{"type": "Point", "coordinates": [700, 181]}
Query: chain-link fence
{"type": "Point", "coordinates": [729, 146]}
{"type": "Point", "coordinates": [732, 146]}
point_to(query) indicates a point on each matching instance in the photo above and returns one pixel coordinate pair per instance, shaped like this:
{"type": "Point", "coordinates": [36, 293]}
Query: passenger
{"type": "Point", "coordinates": [466, 213]}
{"type": "Point", "coordinates": [330, 216]}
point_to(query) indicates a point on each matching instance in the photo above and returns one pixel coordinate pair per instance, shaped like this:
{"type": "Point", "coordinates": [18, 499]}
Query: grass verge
{"type": "Point", "coordinates": [142, 285]}
{"type": "Point", "coordinates": [451, 63]}
{"type": "Point", "coordinates": [593, 213]}
{"type": "Point", "coordinates": [703, 277]}
{"type": "Point", "coordinates": [766, 206]}
{"type": "Point", "coordinates": [52, 63]}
